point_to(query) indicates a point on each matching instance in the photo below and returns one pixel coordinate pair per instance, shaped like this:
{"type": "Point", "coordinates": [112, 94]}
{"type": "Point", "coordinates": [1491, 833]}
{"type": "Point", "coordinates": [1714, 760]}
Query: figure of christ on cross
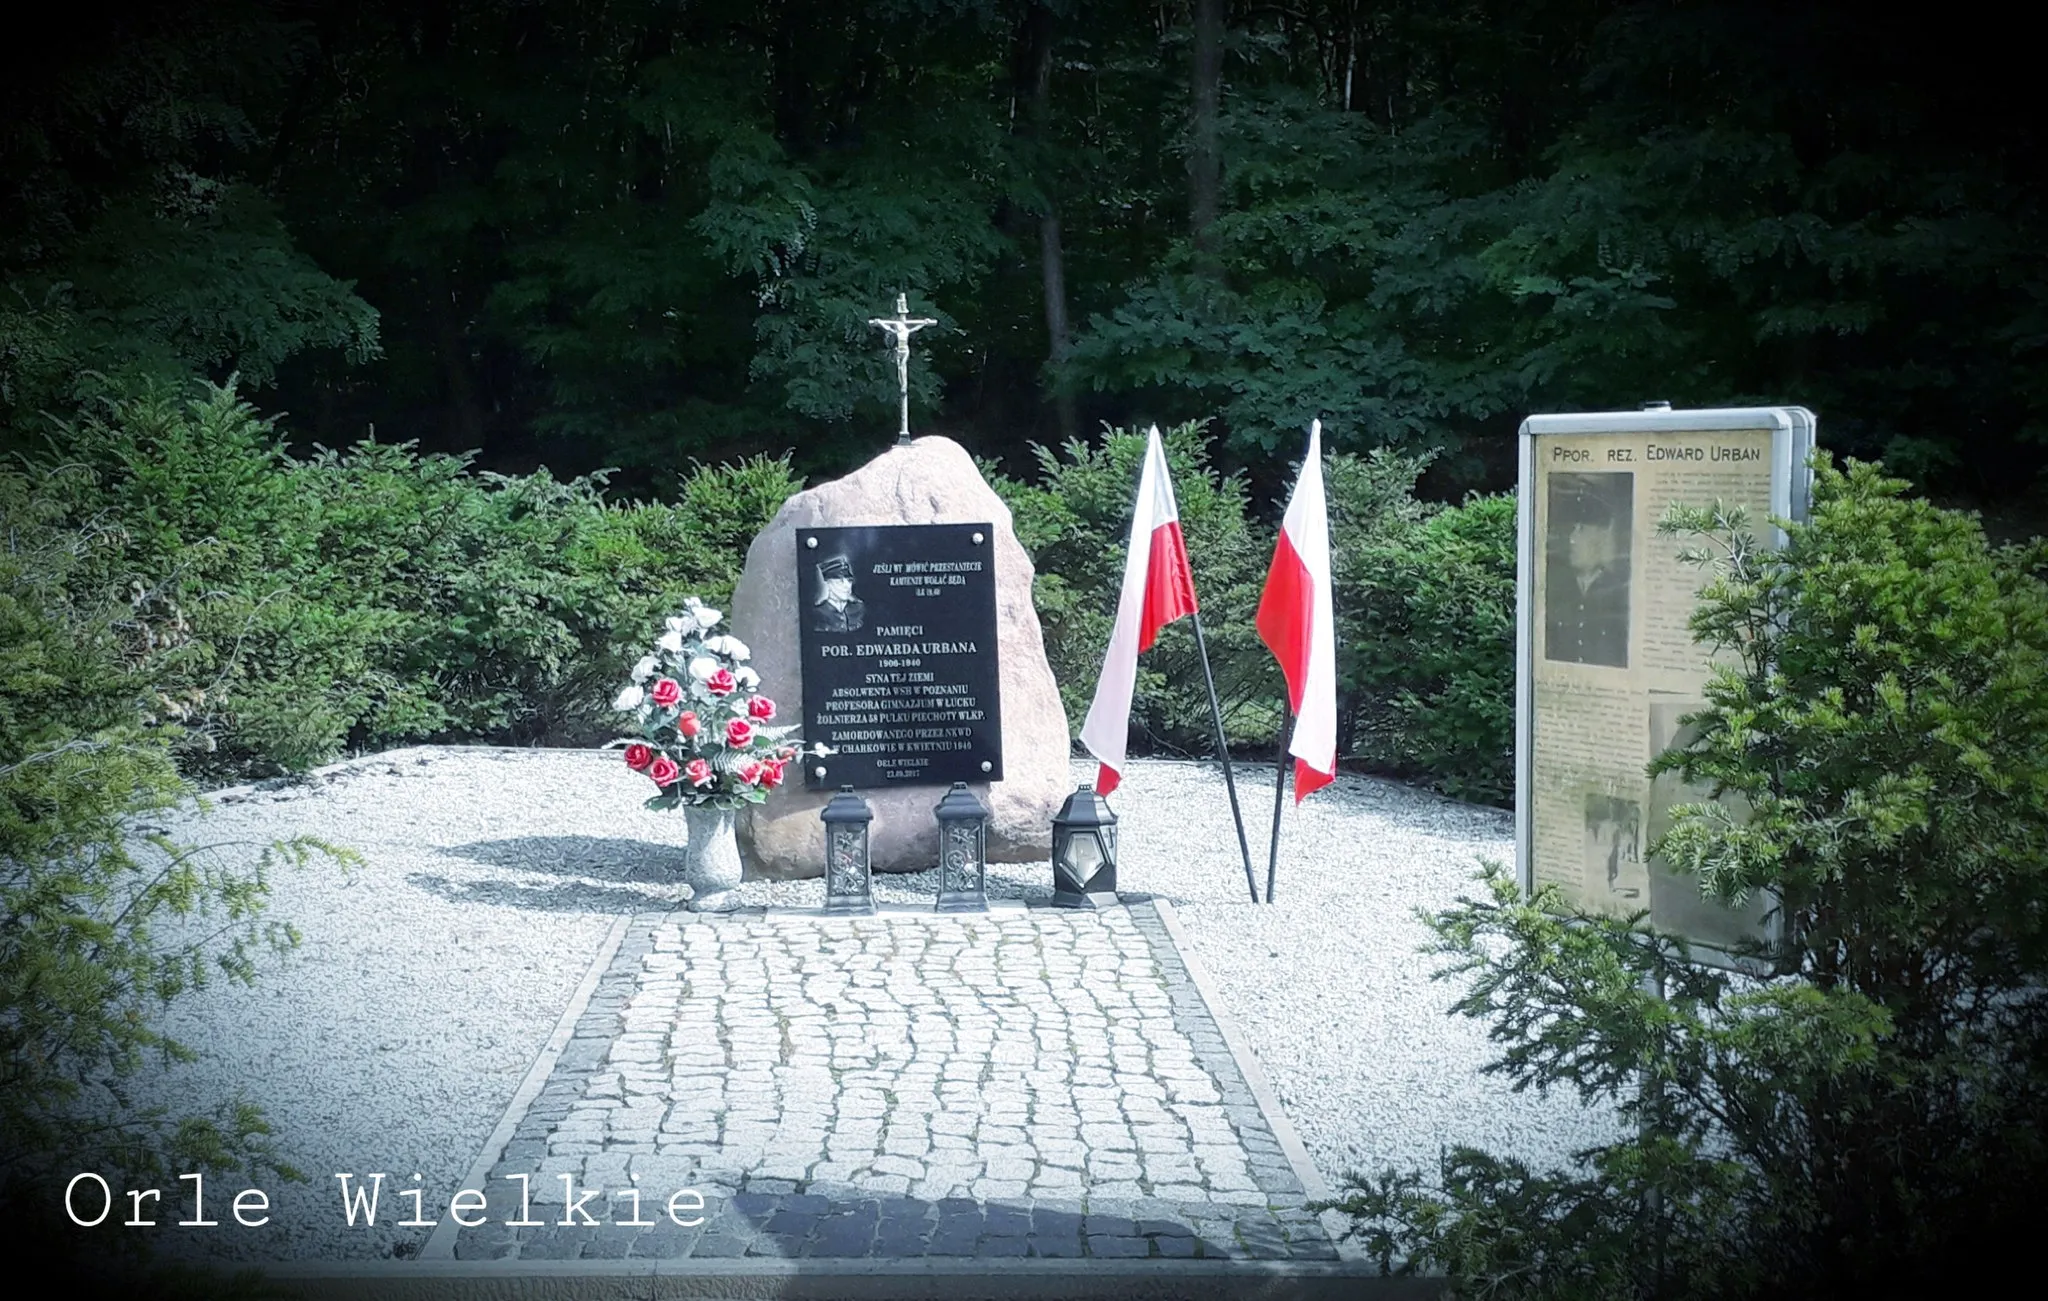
{"type": "Point", "coordinates": [901, 326]}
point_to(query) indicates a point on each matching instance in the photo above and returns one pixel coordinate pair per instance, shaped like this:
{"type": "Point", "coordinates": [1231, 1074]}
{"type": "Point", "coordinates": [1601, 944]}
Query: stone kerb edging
{"type": "Point", "coordinates": [1312, 1181]}
{"type": "Point", "coordinates": [440, 1244]}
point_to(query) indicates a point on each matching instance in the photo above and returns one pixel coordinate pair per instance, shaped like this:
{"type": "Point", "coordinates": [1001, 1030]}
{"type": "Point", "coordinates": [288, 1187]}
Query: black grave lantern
{"type": "Point", "coordinates": [1084, 852]}
{"type": "Point", "coordinates": [963, 852]}
{"type": "Point", "coordinates": [849, 882]}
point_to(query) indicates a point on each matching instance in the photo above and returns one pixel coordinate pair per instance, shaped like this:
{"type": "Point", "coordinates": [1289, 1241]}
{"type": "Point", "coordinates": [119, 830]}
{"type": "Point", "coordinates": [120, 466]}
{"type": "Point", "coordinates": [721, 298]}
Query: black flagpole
{"type": "Point", "coordinates": [1223, 751]}
{"type": "Point", "coordinates": [1279, 790]}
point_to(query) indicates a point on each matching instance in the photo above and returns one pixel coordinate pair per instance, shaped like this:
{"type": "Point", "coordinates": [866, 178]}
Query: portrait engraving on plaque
{"type": "Point", "coordinates": [900, 673]}
{"type": "Point", "coordinates": [834, 607]}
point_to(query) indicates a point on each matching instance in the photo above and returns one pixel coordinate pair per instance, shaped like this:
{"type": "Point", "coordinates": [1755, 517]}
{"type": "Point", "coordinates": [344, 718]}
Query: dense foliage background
{"type": "Point", "coordinates": [377, 596]}
{"type": "Point", "coordinates": [627, 235]}
{"type": "Point", "coordinates": [591, 251]}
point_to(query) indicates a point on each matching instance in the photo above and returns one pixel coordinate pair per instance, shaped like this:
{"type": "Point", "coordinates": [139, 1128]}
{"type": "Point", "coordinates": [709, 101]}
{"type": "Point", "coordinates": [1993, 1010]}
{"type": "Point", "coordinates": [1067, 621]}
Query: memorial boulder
{"type": "Point", "coordinates": [900, 610]}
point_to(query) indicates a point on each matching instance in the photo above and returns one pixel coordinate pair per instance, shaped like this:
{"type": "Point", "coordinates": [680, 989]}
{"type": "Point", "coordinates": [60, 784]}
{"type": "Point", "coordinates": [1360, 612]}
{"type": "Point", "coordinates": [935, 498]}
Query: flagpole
{"type": "Point", "coordinates": [1279, 791]}
{"type": "Point", "coordinates": [1223, 752]}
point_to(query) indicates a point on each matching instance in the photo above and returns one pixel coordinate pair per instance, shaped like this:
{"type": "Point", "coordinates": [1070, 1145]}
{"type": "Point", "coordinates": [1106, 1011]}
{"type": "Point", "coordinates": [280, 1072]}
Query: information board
{"type": "Point", "coordinates": [898, 634]}
{"type": "Point", "coordinates": [1606, 664]}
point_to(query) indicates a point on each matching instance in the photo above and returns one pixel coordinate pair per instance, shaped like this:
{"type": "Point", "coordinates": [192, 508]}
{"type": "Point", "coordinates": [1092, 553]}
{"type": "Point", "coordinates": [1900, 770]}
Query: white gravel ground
{"type": "Point", "coordinates": [428, 981]}
{"type": "Point", "coordinates": [1328, 986]}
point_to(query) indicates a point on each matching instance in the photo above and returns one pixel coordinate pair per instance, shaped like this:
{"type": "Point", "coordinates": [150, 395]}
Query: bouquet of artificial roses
{"type": "Point", "coordinates": [706, 733]}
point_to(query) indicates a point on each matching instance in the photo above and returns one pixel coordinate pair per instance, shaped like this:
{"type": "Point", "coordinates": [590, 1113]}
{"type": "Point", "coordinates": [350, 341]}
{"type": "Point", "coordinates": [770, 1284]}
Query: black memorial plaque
{"type": "Point", "coordinates": [899, 654]}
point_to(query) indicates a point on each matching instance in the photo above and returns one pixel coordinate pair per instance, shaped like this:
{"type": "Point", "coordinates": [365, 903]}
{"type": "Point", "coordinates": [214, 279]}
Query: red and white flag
{"type": "Point", "coordinates": [1298, 623]}
{"type": "Point", "coordinates": [1158, 588]}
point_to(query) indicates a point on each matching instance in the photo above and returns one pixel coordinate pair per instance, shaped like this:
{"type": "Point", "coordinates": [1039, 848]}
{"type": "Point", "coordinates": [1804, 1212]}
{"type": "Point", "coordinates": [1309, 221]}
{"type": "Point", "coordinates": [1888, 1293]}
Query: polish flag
{"type": "Point", "coordinates": [1298, 624]}
{"type": "Point", "coordinates": [1158, 588]}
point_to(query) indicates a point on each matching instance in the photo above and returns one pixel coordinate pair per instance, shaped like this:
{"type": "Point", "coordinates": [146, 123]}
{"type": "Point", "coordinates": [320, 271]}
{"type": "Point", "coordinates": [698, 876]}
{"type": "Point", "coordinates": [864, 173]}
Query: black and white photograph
{"type": "Point", "coordinates": [1586, 575]}
{"type": "Point", "coordinates": [1614, 849]}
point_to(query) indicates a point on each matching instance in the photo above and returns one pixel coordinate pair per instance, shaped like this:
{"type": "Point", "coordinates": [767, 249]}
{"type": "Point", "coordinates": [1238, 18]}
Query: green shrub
{"type": "Point", "coordinates": [1870, 1113]}
{"type": "Point", "coordinates": [1424, 596]}
{"type": "Point", "coordinates": [1076, 523]}
{"type": "Point", "coordinates": [292, 641]}
{"type": "Point", "coordinates": [1425, 600]}
{"type": "Point", "coordinates": [553, 590]}
{"type": "Point", "coordinates": [103, 922]}
{"type": "Point", "coordinates": [718, 511]}
{"type": "Point", "coordinates": [376, 596]}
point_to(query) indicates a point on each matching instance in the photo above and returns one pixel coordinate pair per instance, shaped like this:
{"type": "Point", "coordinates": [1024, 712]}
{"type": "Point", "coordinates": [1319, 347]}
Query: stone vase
{"type": "Point", "coordinates": [711, 865]}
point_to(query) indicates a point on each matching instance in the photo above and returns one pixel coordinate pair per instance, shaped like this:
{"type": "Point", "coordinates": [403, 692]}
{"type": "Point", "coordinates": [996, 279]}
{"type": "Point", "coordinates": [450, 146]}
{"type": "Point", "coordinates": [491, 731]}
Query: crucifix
{"type": "Point", "coordinates": [901, 326]}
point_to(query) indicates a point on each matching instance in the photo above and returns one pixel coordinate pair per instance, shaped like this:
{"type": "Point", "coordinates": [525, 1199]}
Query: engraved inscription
{"type": "Point", "coordinates": [899, 654]}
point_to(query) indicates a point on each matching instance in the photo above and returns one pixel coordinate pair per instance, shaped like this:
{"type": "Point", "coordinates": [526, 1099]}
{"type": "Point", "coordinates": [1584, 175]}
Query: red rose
{"type": "Point", "coordinates": [750, 772]}
{"type": "Point", "coordinates": [687, 724]}
{"type": "Point", "coordinates": [666, 692]}
{"type": "Point", "coordinates": [720, 683]}
{"type": "Point", "coordinates": [761, 707]}
{"type": "Point", "coordinates": [638, 756]}
{"type": "Point", "coordinates": [664, 772]}
{"type": "Point", "coordinates": [738, 732]}
{"type": "Point", "coordinates": [771, 773]}
{"type": "Point", "coordinates": [700, 773]}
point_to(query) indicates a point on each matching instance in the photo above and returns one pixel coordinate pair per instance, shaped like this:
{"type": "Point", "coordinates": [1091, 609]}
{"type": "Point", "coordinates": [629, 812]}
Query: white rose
{"type": "Point", "coordinates": [703, 667]}
{"type": "Point", "coordinates": [629, 699]}
{"type": "Point", "coordinates": [644, 669]}
{"type": "Point", "coordinates": [706, 616]}
{"type": "Point", "coordinates": [747, 678]}
{"type": "Point", "coordinates": [671, 641]}
{"type": "Point", "coordinates": [681, 623]}
{"type": "Point", "coordinates": [727, 645]}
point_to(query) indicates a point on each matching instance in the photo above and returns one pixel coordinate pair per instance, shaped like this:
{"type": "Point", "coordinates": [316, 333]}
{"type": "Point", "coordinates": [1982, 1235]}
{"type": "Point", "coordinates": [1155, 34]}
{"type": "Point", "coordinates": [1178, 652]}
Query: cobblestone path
{"type": "Point", "coordinates": [1027, 1082]}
